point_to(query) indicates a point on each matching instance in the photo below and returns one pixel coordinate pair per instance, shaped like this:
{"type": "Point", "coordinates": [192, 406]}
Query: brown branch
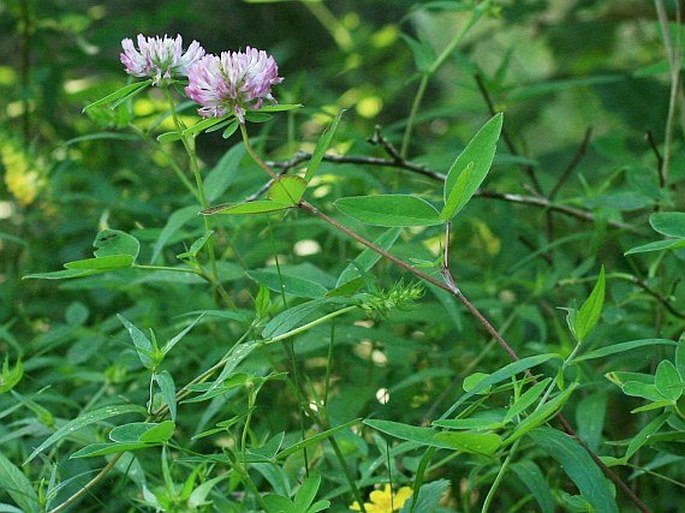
{"type": "Point", "coordinates": [536, 201]}
{"type": "Point", "coordinates": [649, 137]}
{"type": "Point", "coordinates": [450, 286]}
{"type": "Point", "coordinates": [663, 300]}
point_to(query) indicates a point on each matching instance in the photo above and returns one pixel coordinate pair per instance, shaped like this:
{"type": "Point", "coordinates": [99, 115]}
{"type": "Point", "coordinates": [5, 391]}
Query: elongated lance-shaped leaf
{"type": "Point", "coordinates": [126, 92]}
{"type": "Point", "coordinates": [84, 420]}
{"type": "Point", "coordinates": [578, 465]}
{"type": "Point", "coordinates": [18, 486]}
{"type": "Point", "coordinates": [588, 315]}
{"type": "Point", "coordinates": [321, 147]}
{"type": "Point", "coordinates": [471, 167]}
{"type": "Point", "coordinates": [171, 343]}
{"type": "Point", "coordinates": [144, 346]}
{"type": "Point", "coordinates": [390, 210]}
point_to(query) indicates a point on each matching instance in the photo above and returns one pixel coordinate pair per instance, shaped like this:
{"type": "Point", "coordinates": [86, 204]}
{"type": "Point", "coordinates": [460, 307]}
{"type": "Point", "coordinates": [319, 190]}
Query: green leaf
{"type": "Point", "coordinates": [196, 246]}
{"type": "Point", "coordinates": [148, 432]}
{"type": "Point", "coordinates": [531, 476]}
{"type": "Point", "coordinates": [307, 493]}
{"type": "Point", "coordinates": [541, 415]}
{"type": "Point", "coordinates": [658, 245]}
{"type": "Point", "coordinates": [667, 381]}
{"type": "Point", "coordinates": [126, 92]}
{"type": "Point", "coordinates": [238, 353]}
{"type": "Point", "coordinates": [115, 242]}
{"type": "Point", "coordinates": [167, 388]}
{"type": "Point", "coordinates": [106, 263]}
{"type": "Point", "coordinates": [505, 372]}
{"type": "Point", "coordinates": [472, 380]}
{"type": "Point", "coordinates": [177, 338]}
{"type": "Point", "coordinates": [680, 358]}
{"type": "Point", "coordinates": [671, 224]}
{"type": "Point", "coordinates": [168, 137]}
{"type": "Point", "coordinates": [588, 315]}
{"type": "Point", "coordinates": [144, 347]}
{"type": "Point", "coordinates": [174, 223]}
{"type": "Point", "coordinates": [367, 258]}
{"type": "Point", "coordinates": [84, 420]}
{"type": "Point", "coordinates": [159, 433]}
{"type": "Point", "coordinates": [287, 189]}
{"type": "Point", "coordinates": [487, 420]}
{"type": "Point", "coordinates": [224, 173]}
{"type": "Point", "coordinates": [291, 317]}
{"type": "Point", "coordinates": [422, 51]}
{"type": "Point", "coordinates": [231, 129]}
{"type": "Point", "coordinates": [199, 496]}
{"type": "Point", "coordinates": [579, 466]}
{"type": "Point", "coordinates": [290, 280]}
{"type": "Point", "coordinates": [204, 125]}
{"type": "Point", "coordinates": [321, 146]}
{"type": "Point", "coordinates": [61, 275]}
{"type": "Point", "coordinates": [103, 449]}
{"type": "Point", "coordinates": [623, 346]}
{"type": "Point", "coordinates": [317, 438]}
{"type": "Point", "coordinates": [529, 397]}
{"type": "Point", "coordinates": [390, 210]}
{"type": "Point", "coordinates": [9, 377]}
{"type": "Point", "coordinates": [429, 497]}
{"type": "Point", "coordinates": [644, 390]}
{"type": "Point", "coordinates": [17, 485]}
{"type": "Point", "coordinates": [590, 418]}
{"type": "Point", "coordinates": [279, 504]}
{"type": "Point", "coordinates": [643, 436]}
{"type": "Point", "coordinates": [262, 301]}
{"type": "Point", "coordinates": [258, 117]}
{"type": "Point", "coordinates": [471, 167]}
{"type": "Point", "coordinates": [250, 207]}
{"type": "Point", "coordinates": [280, 107]}
{"type": "Point", "coordinates": [477, 443]}
{"type": "Point", "coordinates": [420, 435]}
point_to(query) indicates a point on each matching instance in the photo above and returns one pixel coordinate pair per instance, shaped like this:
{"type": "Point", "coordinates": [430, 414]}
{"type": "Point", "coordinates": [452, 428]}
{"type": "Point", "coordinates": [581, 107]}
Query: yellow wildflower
{"type": "Point", "coordinates": [23, 177]}
{"type": "Point", "coordinates": [384, 501]}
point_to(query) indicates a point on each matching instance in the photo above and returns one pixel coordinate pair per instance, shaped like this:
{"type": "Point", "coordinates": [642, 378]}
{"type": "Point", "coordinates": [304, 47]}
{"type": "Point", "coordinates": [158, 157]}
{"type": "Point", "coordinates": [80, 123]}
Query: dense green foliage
{"type": "Point", "coordinates": [482, 311]}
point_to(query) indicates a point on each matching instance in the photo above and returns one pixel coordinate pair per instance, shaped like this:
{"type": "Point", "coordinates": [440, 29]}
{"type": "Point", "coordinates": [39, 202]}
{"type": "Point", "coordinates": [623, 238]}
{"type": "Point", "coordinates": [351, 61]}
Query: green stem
{"type": "Point", "coordinates": [427, 75]}
{"type": "Point", "coordinates": [145, 137]}
{"type": "Point", "coordinates": [189, 145]}
{"type": "Point", "coordinates": [415, 104]}
{"type": "Point", "coordinates": [447, 286]}
{"type": "Point", "coordinates": [348, 473]}
{"type": "Point", "coordinates": [339, 33]}
{"type": "Point", "coordinates": [253, 153]}
{"type": "Point", "coordinates": [500, 475]}
{"type": "Point", "coordinates": [146, 267]}
{"type": "Point", "coordinates": [311, 324]}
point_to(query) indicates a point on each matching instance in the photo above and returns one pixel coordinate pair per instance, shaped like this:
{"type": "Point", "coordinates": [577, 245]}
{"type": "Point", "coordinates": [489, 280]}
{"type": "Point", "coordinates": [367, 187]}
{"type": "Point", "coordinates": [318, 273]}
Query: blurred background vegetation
{"type": "Point", "coordinates": [556, 68]}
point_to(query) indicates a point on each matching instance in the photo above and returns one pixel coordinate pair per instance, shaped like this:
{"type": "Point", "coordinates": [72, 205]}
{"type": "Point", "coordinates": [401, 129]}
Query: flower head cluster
{"type": "Point", "coordinates": [159, 58]}
{"type": "Point", "coordinates": [384, 501]}
{"type": "Point", "coordinates": [24, 175]}
{"type": "Point", "coordinates": [232, 82]}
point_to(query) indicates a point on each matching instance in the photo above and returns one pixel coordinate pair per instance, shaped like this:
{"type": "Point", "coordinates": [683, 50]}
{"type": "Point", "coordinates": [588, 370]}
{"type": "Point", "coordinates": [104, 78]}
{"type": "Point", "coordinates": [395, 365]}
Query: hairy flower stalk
{"type": "Point", "coordinates": [232, 82]}
{"type": "Point", "coordinates": [159, 58]}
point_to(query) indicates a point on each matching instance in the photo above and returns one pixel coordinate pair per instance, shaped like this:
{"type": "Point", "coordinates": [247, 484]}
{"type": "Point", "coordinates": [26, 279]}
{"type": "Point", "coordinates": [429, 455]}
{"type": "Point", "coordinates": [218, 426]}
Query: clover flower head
{"type": "Point", "coordinates": [232, 82]}
{"type": "Point", "coordinates": [384, 501]}
{"type": "Point", "coordinates": [159, 58]}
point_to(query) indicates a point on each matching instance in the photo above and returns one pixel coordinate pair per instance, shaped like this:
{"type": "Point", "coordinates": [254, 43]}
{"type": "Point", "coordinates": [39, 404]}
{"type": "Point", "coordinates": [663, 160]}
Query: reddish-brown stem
{"type": "Point", "coordinates": [447, 285]}
{"type": "Point", "coordinates": [450, 286]}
